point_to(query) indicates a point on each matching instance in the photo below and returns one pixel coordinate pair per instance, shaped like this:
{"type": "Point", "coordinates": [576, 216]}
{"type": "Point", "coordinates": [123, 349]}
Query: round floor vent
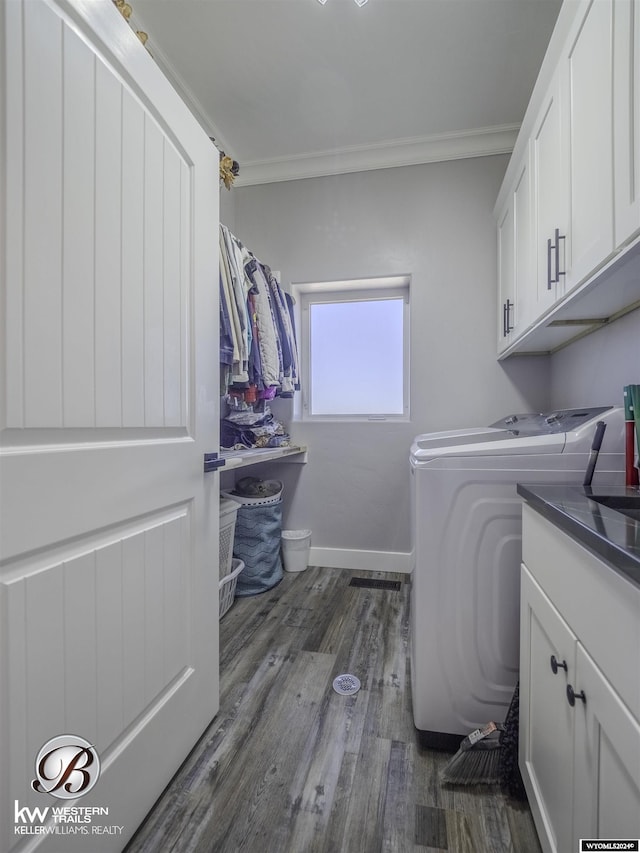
{"type": "Point", "coordinates": [346, 684]}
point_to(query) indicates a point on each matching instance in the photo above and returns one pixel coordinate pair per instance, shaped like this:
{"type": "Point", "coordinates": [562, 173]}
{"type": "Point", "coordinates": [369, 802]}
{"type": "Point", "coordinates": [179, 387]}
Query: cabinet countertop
{"type": "Point", "coordinates": [613, 537]}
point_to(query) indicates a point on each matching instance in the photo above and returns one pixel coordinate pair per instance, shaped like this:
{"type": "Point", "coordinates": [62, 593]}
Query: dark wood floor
{"type": "Point", "coordinates": [290, 766]}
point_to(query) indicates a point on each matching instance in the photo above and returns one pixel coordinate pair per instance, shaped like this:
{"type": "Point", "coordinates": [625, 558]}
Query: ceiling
{"type": "Point", "coordinates": [292, 88]}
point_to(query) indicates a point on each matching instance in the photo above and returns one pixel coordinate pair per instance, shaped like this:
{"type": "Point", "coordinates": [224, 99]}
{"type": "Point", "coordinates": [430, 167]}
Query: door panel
{"type": "Point", "coordinates": [76, 242]}
{"type": "Point", "coordinates": [108, 570]}
{"type": "Point", "coordinates": [626, 105]}
{"type": "Point", "coordinates": [549, 159]}
{"type": "Point", "coordinates": [607, 759]}
{"type": "Point", "coordinates": [590, 114]}
{"type": "Point", "coordinates": [506, 272]}
{"type": "Point", "coordinates": [545, 753]}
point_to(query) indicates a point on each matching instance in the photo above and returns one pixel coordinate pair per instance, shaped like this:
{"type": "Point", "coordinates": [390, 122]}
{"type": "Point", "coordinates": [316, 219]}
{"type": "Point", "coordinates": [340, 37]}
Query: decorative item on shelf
{"type": "Point", "coordinates": [124, 8]}
{"type": "Point", "coordinates": [229, 169]}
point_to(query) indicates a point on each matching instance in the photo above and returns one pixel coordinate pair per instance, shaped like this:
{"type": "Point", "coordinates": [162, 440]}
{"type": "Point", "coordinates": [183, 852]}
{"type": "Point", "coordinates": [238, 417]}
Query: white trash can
{"type": "Point", "coordinates": [295, 549]}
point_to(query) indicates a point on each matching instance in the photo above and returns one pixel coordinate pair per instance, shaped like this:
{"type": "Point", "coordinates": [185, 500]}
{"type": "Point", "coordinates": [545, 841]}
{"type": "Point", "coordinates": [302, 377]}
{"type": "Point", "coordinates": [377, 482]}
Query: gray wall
{"type": "Point", "coordinates": [228, 208]}
{"type": "Point", "coordinates": [593, 370]}
{"type": "Point", "coordinates": [435, 222]}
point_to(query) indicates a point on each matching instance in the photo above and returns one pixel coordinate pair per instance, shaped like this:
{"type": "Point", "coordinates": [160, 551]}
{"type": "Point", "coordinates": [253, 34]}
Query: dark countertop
{"type": "Point", "coordinates": [610, 535]}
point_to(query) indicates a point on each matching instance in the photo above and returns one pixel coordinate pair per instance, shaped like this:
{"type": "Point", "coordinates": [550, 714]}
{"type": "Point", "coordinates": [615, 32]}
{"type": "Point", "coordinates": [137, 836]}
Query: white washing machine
{"type": "Point", "coordinates": [466, 528]}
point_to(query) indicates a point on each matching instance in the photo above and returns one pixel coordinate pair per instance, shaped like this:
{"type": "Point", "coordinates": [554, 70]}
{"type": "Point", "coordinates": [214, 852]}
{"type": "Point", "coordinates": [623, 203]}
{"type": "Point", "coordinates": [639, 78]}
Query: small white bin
{"type": "Point", "coordinates": [295, 549]}
{"type": "Point", "coordinates": [228, 513]}
{"type": "Point", "coordinates": [227, 587]}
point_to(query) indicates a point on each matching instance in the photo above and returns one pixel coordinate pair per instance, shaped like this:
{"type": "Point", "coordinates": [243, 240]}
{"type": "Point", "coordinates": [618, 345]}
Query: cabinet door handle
{"type": "Point", "coordinates": [504, 319]}
{"type": "Point", "coordinates": [508, 306]}
{"type": "Point", "coordinates": [556, 665]}
{"type": "Point", "coordinates": [558, 237]}
{"type": "Point", "coordinates": [550, 281]}
{"type": "Point", "coordinates": [572, 696]}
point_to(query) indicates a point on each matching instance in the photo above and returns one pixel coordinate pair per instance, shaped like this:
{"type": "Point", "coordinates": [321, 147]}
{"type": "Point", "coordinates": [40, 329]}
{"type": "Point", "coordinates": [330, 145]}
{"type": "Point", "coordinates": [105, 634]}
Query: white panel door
{"type": "Point", "coordinates": [108, 402]}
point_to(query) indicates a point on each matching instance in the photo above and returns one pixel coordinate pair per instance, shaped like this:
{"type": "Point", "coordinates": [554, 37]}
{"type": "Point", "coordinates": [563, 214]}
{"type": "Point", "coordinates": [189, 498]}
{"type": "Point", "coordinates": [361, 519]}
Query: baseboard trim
{"type": "Point", "coordinates": [373, 561]}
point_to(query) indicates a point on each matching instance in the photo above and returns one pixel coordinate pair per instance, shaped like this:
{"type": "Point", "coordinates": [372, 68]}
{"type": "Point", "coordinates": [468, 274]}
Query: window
{"type": "Point", "coordinates": [355, 348]}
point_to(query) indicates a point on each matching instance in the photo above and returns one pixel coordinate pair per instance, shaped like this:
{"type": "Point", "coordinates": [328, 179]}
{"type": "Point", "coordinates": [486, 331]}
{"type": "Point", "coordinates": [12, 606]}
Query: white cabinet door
{"type": "Point", "coordinates": [506, 274]}
{"type": "Point", "coordinates": [516, 280]}
{"type": "Point", "coordinates": [525, 279]}
{"type": "Point", "coordinates": [588, 113]}
{"type": "Point", "coordinates": [546, 720]}
{"type": "Point", "coordinates": [626, 136]}
{"type": "Point", "coordinates": [108, 571]}
{"type": "Point", "coordinates": [551, 220]}
{"type": "Point", "coordinates": [607, 759]}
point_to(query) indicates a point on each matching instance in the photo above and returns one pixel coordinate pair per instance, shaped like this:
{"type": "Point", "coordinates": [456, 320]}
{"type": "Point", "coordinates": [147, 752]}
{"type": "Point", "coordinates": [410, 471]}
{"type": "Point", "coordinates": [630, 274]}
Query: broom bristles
{"type": "Point", "coordinates": [477, 761]}
{"type": "Point", "coordinates": [473, 767]}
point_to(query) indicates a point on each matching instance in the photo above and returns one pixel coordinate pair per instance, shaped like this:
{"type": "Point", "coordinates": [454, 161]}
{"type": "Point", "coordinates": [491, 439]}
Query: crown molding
{"type": "Point", "coordinates": [483, 142]}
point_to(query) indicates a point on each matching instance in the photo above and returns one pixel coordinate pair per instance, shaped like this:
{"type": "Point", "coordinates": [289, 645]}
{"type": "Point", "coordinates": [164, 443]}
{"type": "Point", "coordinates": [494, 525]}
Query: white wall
{"type": "Point", "coordinates": [432, 221]}
{"type": "Point", "coordinates": [594, 370]}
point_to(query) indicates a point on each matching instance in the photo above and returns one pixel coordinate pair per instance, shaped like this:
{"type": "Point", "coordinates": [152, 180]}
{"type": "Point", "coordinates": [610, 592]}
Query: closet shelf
{"type": "Point", "coordinates": [242, 458]}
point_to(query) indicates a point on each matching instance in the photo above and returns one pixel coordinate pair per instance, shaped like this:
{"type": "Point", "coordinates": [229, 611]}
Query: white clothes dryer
{"type": "Point", "coordinates": [466, 530]}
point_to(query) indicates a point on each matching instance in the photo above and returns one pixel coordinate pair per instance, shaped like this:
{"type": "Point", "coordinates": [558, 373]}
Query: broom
{"type": "Point", "coordinates": [477, 760]}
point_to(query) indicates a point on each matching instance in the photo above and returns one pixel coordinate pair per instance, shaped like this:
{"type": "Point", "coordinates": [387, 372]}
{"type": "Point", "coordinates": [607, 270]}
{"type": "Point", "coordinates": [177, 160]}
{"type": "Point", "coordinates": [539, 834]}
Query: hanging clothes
{"type": "Point", "coordinates": [232, 277]}
{"type": "Point", "coordinates": [257, 332]}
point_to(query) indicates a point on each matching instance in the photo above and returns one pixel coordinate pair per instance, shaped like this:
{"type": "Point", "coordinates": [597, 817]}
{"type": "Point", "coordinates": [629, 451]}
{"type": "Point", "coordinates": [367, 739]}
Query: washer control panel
{"type": "Point", "coordinates": [541, 423]}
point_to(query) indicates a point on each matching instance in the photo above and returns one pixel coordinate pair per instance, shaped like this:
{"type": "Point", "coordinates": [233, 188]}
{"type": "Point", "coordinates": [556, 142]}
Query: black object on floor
{"type": "Point", "coordinates": [375, 583]}
{"type": "Point", "coordinates": [508, 771]}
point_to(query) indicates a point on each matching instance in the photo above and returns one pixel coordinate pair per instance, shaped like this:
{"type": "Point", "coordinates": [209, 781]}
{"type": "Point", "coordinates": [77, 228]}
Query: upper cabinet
{"type": "Point", "coordinates": [550, 230]}
{"type": "Point", "coordinates": [515, 270]}
{"type": "Point", "coordinates": [579, 148]}
{"type": "Point", "coordinates": [586, 73]}
{"type": "Point", "coordinates": [506, 274]}
{"type": "Point", "coordinates": [626, 104]}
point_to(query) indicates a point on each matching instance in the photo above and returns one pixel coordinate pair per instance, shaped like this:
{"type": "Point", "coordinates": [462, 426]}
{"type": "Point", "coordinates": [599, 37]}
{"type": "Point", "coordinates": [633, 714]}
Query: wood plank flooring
{"type": "Point", "coordinates": [290, 766]}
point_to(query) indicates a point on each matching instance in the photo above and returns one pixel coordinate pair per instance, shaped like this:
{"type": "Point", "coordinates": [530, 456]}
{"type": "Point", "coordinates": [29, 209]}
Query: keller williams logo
{"type": "Point", "coordinates": [67, 767]}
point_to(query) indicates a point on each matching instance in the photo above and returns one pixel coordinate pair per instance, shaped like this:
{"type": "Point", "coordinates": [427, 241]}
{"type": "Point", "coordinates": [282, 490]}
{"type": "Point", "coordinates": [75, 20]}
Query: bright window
{"type": "Point", "coordinates": [355, 348]}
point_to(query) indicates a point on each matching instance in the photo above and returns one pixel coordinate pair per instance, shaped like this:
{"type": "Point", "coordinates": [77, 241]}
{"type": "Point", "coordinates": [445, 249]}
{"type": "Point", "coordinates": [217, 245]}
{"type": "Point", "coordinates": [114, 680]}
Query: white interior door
{"type": "Point", "coordinates": [108, 401]}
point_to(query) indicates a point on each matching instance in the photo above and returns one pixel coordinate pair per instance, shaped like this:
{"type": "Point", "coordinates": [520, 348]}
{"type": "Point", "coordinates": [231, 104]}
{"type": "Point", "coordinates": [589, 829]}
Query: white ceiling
{"type": "Point", "coordinates": [291, 88]}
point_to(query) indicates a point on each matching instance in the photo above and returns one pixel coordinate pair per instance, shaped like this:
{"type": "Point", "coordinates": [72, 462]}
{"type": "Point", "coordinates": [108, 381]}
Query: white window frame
{"type": "Point", "coordinates": [306, 294]}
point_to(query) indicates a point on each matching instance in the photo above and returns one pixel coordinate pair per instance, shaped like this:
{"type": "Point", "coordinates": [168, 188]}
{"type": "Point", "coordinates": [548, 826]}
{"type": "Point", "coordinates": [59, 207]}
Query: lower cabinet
{"type": "Point", "coordinates": [546, 718]}
{"type": "Point", "coordinates": [579, 741]}
{"type": "Point", "coordinates": [606, 759]}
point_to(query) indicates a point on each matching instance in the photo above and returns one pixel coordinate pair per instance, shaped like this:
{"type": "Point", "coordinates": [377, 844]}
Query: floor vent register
{"type": "Point", "coordinates": [375, 583]}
